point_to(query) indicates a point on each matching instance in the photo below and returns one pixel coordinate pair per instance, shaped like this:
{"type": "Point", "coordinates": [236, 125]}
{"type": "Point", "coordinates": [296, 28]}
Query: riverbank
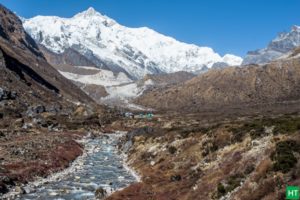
{"type": "Point", "coordinates": [36, 154]}
{"type": "Point", "coordinates": [101, 167]}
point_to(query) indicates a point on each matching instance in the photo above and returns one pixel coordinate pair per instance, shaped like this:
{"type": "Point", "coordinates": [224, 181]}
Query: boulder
{"type": "Point", "coordinates": [80, 111]}
{"type": "Point", "coordinates": [27, 125]}
{"type": "Point", "coordinates": [39, 109]}
{"type": "Point", "coordinates": [34, 110]}
{"type": "Point", "coordinates": [7, 95]}
{"type": "Point", "coordinates": [19, 123]}
{"type": "Point", "coordinates": [2, 93]}
{"type": "Point", "coordinates": [19, 190]}
{"type": "Point", "coordinates": [13, 95]}
{"type": "Point", "coordinates": [53, 108]}
{"type": "Point", "coordinates": [27, 190]}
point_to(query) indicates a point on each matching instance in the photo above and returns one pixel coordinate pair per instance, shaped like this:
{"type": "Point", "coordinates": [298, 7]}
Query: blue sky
{"type": "Point", "coordinates": [228, 26]}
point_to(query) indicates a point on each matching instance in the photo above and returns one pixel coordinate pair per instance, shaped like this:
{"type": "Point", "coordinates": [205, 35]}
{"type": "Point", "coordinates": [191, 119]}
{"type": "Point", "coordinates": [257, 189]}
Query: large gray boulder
{"type": "Point", "coordinates": [7, 95]}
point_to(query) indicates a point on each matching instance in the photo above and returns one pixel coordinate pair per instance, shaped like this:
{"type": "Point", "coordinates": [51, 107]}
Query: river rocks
{"type": "Point", "coordinates": [3, 188]}
{"type": "Point", "coordinates": [27, 190]}
{"type": "Point", "coordinates": [4, 181]}
{"type": "Point", "coordinates": [20, 190]}
{"type": "Point", "coordinates": [35, 154]}
{"type": "Point", "coordinates": [85, 182]}
{"type": "Point", "coordinates": [53, 193]}
{"type": "Point", "coordinates": [90, 188]}
{"type": "Point", "coordinates": [100, 193]}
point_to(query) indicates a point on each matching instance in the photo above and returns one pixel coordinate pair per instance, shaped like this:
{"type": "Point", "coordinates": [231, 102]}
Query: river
{"type": "Point", "coordinates": [100, 166]}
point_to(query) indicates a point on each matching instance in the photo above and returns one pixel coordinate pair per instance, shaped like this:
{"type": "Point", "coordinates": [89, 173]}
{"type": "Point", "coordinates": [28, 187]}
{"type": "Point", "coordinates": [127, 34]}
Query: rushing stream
{"type": "Point", "coordinates": [101, 166]}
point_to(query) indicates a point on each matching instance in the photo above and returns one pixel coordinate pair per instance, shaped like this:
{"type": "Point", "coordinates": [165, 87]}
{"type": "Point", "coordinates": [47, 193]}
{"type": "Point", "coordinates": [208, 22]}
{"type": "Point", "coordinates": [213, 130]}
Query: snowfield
{"type": "Point", "coordinates": [139, 51]}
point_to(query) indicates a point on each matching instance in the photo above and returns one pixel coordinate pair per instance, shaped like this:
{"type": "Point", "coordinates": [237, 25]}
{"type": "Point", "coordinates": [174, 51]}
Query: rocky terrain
{"type": "Point", "coordinates": [212, 156]}
{"type": "Point", "coordinates": [68, 59]}
{"type": "Point", "coordinates": [228, 133]}
{"type": "Point", "coordinates": [162, 80]}
{"type": "Point", "coordinates": [41, 112]}
{"type": "Point", "coordinates": [238, 87]}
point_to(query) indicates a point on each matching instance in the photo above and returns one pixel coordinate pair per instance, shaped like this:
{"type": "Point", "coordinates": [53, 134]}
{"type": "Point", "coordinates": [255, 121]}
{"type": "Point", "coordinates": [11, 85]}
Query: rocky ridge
{"type": "Point", "coordinates": [282, 45]}
{"type": "Point", "coordinates": [276, 82]}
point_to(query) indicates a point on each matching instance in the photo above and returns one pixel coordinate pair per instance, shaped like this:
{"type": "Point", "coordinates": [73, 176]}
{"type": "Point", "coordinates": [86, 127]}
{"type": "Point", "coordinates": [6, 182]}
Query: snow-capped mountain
{"type": "Point", "coordinates": [281, 45]}
{"type": "Point", "coordinates": [138, 51]}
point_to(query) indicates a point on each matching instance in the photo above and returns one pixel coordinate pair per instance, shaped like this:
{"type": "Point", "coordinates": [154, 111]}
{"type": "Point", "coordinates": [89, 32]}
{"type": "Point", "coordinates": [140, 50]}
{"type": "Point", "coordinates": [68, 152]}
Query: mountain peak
{"type": "Point", "coordinates": [88, 13]}
{"type": "Point", "coordinates": [295, 28]}
{"type": "Point", "coordinates": [133, 50]}
{"type": "Point", "coordinates": [91, 11]}
{"type": "Point", "coordinates": [279, 47]}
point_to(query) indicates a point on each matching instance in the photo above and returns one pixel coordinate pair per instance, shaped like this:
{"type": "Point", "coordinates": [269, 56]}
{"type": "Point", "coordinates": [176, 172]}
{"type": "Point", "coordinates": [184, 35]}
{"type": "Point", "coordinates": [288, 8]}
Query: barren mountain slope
{"type": "Point", "coordinates": [40, 110]}
{"type": "Point", "coordinates": [252, 85]}
{"type": "Point", "coordinates": [169, 79]}
{"type": "Point", "coordinates": [23, 58]}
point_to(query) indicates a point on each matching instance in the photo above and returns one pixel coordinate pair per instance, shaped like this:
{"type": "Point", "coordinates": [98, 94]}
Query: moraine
{"type": "Point", "coordinates": [101, 166]}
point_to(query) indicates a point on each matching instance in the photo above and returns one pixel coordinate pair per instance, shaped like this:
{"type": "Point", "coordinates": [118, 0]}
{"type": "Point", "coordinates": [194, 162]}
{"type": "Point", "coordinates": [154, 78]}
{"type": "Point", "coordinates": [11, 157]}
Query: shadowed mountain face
{"type": "Point", "coordinates": [38, 108]}
{"type": "Point", "coordinates": [12, 31]}
{"type": "Point", "coordinates": [68, 59]}
{"type": "Point", "coordinates": [276, 82]}
{"type": "Point", "coordinates": [23, 62]}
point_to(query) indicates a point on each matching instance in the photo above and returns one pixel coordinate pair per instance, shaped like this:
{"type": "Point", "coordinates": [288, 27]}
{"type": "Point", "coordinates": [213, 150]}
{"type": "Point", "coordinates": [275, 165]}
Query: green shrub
{"type": "Point", "coordinates": [249, 169]}
{"type": "Point", "coordinates": [172, 150]}
{"type": "Point", "coordinates": [209, 147]}
{"type": "Point", "coordinates": [221, 190]}
{"type": "Point", "coordinates": [283, 157]}
{"type": "Point", "coordinates": [287, 125]}
{"type": "Point", "coordinates": [232, 183]}
{"type": "Point", "coordinates": [256, 128]}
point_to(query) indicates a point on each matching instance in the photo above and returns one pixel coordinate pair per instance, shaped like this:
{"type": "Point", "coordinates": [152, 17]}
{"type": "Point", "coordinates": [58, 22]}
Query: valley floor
{"type": "Point", "coordinates": [207, 155]}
